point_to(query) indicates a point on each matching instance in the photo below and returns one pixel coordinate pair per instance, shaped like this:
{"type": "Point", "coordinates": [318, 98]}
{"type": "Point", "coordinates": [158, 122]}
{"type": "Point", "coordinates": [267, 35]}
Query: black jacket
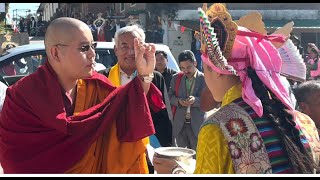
{"type": "Point", "coordinates": [167, 74]}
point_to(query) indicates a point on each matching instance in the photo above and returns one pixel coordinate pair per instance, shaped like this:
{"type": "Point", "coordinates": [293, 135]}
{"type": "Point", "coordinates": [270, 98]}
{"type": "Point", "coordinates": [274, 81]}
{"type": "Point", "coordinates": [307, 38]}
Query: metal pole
{"type": "Point", "coordinates": [5, 22]}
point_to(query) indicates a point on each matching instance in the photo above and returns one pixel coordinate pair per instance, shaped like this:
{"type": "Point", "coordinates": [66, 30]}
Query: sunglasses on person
{"type": "Point", "coordinates": [84, 48]}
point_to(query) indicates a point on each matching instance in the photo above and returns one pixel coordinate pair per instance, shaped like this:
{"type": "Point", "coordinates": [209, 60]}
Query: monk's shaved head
{"type": "Point", "coordinates": [63, 41]}
{"type": "Point", "coordinates": [62, 30]}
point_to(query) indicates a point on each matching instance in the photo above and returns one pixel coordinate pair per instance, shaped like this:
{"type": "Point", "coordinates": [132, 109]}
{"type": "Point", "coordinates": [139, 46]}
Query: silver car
{"type": "Point", "coordinates": [24, 60]}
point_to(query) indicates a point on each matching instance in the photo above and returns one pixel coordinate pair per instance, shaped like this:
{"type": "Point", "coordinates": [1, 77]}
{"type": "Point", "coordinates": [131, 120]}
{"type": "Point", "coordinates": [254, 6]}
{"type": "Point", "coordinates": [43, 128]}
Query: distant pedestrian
{"type": "Point", "coordinates": [21, 25]}
{"type": "Point", "coordinates": [196, 48]}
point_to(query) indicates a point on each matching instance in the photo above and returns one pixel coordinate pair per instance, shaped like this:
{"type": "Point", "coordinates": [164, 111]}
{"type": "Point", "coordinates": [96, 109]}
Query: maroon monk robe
{"type": "Point", "coordinates": [37, 137]}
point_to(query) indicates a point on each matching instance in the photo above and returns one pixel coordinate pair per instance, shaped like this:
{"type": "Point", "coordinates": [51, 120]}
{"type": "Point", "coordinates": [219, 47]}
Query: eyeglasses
{"type": "Point", "coordinates": [83, 48]}
{"type": "Point", "coordinates": [126, 49]}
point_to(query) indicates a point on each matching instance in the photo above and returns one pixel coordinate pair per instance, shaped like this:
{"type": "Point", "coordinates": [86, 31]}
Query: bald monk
{"type": "Point", "coordinates": [66, 118]}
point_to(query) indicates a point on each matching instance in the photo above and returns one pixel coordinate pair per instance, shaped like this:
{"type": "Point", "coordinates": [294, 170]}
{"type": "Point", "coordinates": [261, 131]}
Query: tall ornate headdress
{"type": "Point", "coordinates": [230, 48]}
{"type": "Point", "coordinates": [218, 33]}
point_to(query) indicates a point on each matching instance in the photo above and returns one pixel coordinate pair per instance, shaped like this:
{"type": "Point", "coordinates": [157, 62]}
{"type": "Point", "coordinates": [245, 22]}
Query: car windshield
{"type": "Point", "coordinates": [106, 57]}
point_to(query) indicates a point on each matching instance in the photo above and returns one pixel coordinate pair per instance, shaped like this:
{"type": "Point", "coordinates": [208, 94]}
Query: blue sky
{"type": "Point", "coordinates": [22, 7]}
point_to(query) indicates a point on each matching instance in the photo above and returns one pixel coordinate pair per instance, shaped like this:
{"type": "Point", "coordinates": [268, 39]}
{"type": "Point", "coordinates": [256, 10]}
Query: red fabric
{"type": "Point", "coordinates": [37, 137]}
{"type": "Point", "coordinates": [9, 70]}
{"type": "Point", "coordinates": [182, 29]}
{"type": "Point", "coordinates": [155, 103]}
{"type": "Point", "coordinates": [179, 77]}
{"type": "Point", "coordinates": [101, 35]}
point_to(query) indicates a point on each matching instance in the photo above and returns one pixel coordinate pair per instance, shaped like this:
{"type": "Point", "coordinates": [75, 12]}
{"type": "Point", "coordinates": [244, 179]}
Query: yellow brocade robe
{"type": "Point", "coordinates": [213, 156]}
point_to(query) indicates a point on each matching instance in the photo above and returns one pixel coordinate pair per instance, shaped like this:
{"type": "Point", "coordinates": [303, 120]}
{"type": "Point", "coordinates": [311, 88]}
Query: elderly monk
{"type": "Point", "coordinates": [66, 118]}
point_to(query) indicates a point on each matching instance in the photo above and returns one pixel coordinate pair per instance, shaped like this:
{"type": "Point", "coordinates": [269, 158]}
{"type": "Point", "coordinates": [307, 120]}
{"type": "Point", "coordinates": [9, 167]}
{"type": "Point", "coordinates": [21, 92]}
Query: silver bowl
{"type": "Point", "coordinates": [176, 153]}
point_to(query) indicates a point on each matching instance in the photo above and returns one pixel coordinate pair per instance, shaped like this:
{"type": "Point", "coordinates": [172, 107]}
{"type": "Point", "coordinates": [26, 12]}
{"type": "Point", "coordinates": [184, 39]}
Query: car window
{"type": "Point", "coordinates": [106, 57]}
{"type": "Point", "coordinates": [172, 63]}
{"type": "Point", "coordinates": [22, 64]}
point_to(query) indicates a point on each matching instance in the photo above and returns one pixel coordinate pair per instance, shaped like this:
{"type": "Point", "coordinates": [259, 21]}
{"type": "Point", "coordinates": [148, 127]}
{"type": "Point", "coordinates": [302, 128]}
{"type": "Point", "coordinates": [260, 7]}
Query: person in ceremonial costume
{"type": "Point", "coordinates": [67, 118]}
{"type": "Point", "coordinates": [256, 129]}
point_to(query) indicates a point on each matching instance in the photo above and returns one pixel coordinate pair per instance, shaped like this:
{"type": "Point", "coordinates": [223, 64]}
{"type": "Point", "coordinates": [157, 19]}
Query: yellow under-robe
{"type": "Point", "coordinates": [107, 154]}
{"type": "Point", "coordinates": [213, 156]}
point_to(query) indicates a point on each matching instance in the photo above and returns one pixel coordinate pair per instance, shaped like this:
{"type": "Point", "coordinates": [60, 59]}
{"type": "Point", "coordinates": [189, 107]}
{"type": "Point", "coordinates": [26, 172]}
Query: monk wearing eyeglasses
{"type": "Point", "coordinates": [67, 118]}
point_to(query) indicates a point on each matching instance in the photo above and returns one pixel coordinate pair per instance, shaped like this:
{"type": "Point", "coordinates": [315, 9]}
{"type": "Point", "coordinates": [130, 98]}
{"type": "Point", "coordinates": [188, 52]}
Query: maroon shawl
{"type": "Point", "coordinates": [37, 137]}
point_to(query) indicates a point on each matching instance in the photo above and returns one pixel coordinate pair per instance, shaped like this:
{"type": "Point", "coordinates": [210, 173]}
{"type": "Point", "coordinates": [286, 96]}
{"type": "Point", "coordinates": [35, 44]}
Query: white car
{"type": "Point", "coordinates": [24, 60]}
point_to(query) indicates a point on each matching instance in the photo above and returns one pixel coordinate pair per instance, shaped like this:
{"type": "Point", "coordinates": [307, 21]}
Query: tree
{"type": "Point", "coordinates": [3, 15]}
{"type": "Point", "coordinates": [2, 19]}
{"type": "Point", "coordinates": [170, 9]}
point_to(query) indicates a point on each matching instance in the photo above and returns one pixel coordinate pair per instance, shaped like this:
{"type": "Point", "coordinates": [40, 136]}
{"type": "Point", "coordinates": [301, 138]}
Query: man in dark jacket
{"type": "Point", "coordinates": [161, 66]}
{"type": "Point", "coordinates": [21, 25]}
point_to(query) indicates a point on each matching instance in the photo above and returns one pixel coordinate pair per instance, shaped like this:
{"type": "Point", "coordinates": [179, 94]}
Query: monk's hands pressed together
{"type": "Point", "coordinates": [145, 57]}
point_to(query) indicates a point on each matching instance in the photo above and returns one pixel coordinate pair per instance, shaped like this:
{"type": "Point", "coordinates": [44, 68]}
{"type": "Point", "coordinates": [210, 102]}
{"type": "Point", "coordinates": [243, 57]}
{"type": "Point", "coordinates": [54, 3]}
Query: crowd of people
{"type": "Point", "coordinates": [88, 122]}
{"type": "Point", "coordinates": [29, 25]}
{"type": "Point", "coordinates": [103, 26]}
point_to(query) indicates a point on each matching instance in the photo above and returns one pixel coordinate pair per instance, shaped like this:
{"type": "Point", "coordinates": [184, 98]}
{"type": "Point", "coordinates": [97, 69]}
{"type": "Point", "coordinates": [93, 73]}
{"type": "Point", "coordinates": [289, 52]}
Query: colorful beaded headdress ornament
{"type": "Point", "coordinates": [218, 33]}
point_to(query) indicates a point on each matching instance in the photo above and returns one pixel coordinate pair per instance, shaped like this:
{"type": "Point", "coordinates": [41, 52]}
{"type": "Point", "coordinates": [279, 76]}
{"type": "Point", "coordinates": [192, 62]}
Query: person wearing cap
{"type": "Point", "coordinates": [184, 94]}
{"type": "Point", "coordinates": [255, 130]}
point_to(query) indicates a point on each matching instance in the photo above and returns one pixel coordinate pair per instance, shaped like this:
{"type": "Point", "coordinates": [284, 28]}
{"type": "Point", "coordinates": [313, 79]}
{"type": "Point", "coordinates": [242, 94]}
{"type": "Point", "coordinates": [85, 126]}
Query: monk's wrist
{"type": "Point", "coordinates": [146, 78]}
